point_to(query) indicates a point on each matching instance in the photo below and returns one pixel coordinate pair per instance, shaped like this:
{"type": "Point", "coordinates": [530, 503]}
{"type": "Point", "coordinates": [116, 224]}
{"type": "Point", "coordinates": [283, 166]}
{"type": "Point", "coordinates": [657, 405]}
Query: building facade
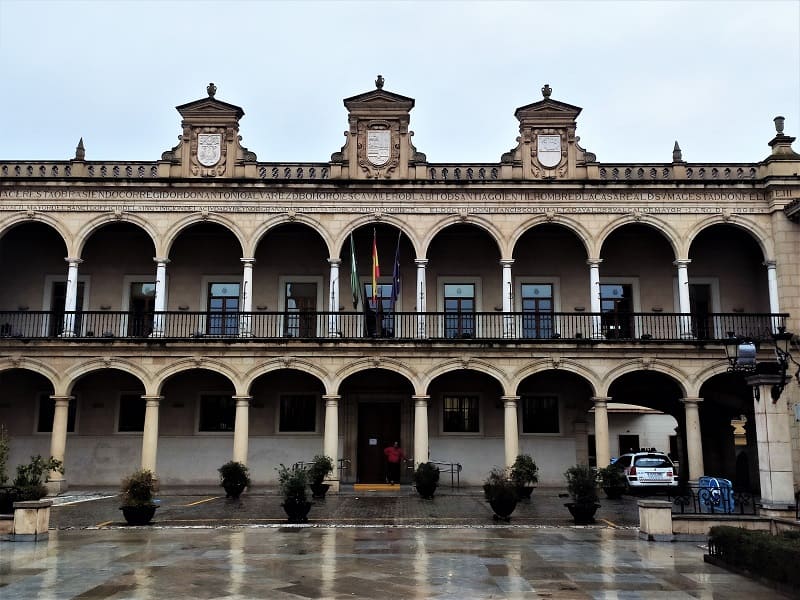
{"type": "Point", "coordinates": [178, 313]}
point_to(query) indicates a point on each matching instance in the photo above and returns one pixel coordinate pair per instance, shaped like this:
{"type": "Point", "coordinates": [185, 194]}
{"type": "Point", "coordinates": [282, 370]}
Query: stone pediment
{"type": "Point", "coordinates": [380, 99]}
{"type": "Point", "coordinates": [547, 107]}
{"type": "Point", "coordinates": [210, 107]}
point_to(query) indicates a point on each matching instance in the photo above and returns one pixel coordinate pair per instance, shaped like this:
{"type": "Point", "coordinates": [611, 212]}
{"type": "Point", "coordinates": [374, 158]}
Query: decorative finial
{"type": "Point", "coordinates": [211, 89]}
{"type": "Point", "coordinates": [779, 125]}
{"type": "Point", "coordinates": [379, 82]}
{"type": "Point", "coordinates": [547, 90]}
{"type": "Point", "coordinates": [677, 155]}
{"type": "Point", "coordinates": [80, 152]}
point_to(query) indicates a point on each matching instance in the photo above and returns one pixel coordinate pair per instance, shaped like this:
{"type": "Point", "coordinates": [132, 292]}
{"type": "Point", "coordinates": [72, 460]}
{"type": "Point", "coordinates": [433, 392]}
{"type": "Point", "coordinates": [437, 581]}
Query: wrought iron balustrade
{"type": "Point", "coordinates": [441, 326]}
{"type": "Point", "coordinates": [700, 500]}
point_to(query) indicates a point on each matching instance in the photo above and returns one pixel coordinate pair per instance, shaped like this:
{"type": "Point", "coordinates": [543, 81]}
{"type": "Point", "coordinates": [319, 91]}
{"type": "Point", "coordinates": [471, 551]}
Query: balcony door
{"type": "Point", "coordinates": [616, 304]}
{"type": "Point", "coordinates": [58, 300]}
{"type": "Point", "coordinates": [301, 310]}
{"type": "Point", "coordinates": [459, 309]}
{"type": "Point", "coordinates": [537, 308]}
{"type": "Point", "coordinates": [223, 308]}
{"type": "Point", "coordinates": [701, 308]}
{"type": "Point", "coordinates": [141, 304]}
{"type": "Point", "coordinates": [379, 316]}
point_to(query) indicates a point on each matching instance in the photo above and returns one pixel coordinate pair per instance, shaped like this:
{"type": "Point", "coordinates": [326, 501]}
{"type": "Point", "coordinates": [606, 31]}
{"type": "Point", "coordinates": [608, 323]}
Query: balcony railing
{"type": "Point", "coordinates": [461, 327]}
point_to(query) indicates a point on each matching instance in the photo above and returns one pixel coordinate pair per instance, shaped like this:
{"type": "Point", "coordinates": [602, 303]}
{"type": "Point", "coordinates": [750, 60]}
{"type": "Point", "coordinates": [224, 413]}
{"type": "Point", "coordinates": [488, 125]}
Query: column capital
{"type": "Point", "coordinates": [242, 400]}
{"type": "Point", "coordinates": [601, 400]}
{"type": "Point", "coordinates": [421, 262]}
{"type": "Point", "coordinates": [682, 262]}
{"type": "Point", "coordinates": [770, 264]}
{"type": "Point", "coordinates": [594, 262]}
{"type": "Point", "coordinates": [242, 397]}
{"type": "Point", "coordinates": [61, 398]}
{"type": "Point", "coordinates": [691, 400]}
{"type": "Point", "coordinates": [161, 260]}
{"type": "Point", "coordinates": [424, 397]}
{"type": "Point", "coordinates": [506, 262]}
{"type": "Point", "coordinates": [335, 262]}
{"type": "Point", "coordinates": [248, 262]}
{"type": "Point", "coordinates": [73, 260]}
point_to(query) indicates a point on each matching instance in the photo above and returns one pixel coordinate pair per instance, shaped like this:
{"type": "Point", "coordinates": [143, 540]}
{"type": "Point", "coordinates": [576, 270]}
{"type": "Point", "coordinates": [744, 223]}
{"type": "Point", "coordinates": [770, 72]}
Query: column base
{"type": "Point", "coordinates": [777, 511]}
{"type": "Point", "coordinates": [56, 486]}
{"type": "Point", "coordinates": [334, 483]}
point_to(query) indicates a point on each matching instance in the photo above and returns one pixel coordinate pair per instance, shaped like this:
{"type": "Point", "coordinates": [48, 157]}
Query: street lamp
{"type": "Point", "coordinates": [741, 353]}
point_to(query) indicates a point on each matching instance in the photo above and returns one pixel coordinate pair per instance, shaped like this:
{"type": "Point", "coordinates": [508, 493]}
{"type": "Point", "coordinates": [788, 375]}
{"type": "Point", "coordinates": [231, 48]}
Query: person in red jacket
{"type": "Point", "coordinates": [394, 456]}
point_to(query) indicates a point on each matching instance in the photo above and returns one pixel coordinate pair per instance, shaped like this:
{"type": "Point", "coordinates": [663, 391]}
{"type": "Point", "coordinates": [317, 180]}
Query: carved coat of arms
{"type": "Point", "coordinates": [548, 150]}
{"type": "Point", "coordinates": [378, 146]}
{"type": "Point", "coordinates": [209, 148]}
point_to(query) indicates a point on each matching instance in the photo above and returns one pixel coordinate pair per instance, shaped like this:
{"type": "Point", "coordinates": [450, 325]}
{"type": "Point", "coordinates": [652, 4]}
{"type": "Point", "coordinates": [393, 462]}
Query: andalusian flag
{"type": "Point", "coordinates": [355, 284]}
{"type": "Point", "coordinates": [376, 270]}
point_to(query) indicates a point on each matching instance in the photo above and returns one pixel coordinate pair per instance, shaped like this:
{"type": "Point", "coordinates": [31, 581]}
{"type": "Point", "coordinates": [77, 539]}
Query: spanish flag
{"type": "Point", "coordinates": [376, 270]}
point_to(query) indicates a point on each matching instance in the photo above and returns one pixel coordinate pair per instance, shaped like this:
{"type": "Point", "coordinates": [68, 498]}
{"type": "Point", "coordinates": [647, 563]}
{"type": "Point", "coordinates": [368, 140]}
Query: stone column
{"type": "Point", "coordinates": [330, 440]}
{"type": "Point", "coordinates": [594, 296]}
{"type": "Point", "coordinates": [333, 318]}
{"type": "Point", "coordinates": [602, 449]}
{"type": "Point", "coordinates": [150, 433]}
{"type": "Point", "coordinates": [421, 448]}
{"type": "Point", "coordinates": [774, 446]}
{"type": "Point", "coordinates": [772, 283]}
{"type": "Point", "coordinates": [58, 442]}
{"type": "Point", "coordinates": [694, 440]}
{"type": "Point", "coordinates": [508, 295]}
{"type": "Point", "coordinates": [422, 298]}
{"type": "Point", "coordinates": [684, 305]}
{"type": "Point", "coordinates": [160, 301]}
{"type": "Point", "coordinates": [71, 299]}
{"type": "Point", "coordinates": [246, 319]}
{"type": "Point", "coordinates": [510, 428]}
{"type": "Point", "coordinates": [241, 428]}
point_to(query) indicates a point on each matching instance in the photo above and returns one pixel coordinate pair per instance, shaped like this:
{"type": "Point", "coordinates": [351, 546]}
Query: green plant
{"type": "Point", "coordinates": [29, 477]}
{"type": "Point", "coordinates": [138, 488]}
{"type": "Point", "coordinates": [4, 450]}
{"type": "Point", "coordinates": [524, 470]}
{"type": "Point", "coordinates": [499, 483]}
{"type": "Point", "coordinates": [234, 473]}
{"type": "Point", "coordinates": [292, 482]}
{"type": "Point", "coordinates": [582, 484]}
{"type": "Point", "coordinates": [612, 476]}
{"type": "Point", "coordinates": [321, 466]}
{"type": "Point", "coordinates": [426, 473]}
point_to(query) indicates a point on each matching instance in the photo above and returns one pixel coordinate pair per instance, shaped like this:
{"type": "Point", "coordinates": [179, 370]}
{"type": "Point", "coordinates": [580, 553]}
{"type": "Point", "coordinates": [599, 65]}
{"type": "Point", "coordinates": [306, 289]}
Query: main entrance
{"type": "Point", "coordinates": [378, 427]}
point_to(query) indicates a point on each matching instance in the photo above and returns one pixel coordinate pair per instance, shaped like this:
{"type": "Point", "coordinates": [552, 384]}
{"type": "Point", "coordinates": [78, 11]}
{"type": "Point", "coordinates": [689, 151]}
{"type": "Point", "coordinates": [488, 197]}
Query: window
{"type": "Point", "coordinates": [540, 414]}
{"type": "Point", "coordinates": [141, 304]}
{"type": "Point", "coordinates": [298, 413]}
{"type": "Point", "coordinates": [217, 413]}
{"type": "Point", "coordinates": [537, 306]}
{"type": "Point", "coordinates": [616, 304]}
{"type": "Point", "coordinates": [47, 409]}
{"type": "Point", "coordinates": [131, 413]}
{"type": "Point", "coordinates": [459, 308]}
{"type": "Point", "coordinates": [301, 306]}
{"type": "Point", "coordinates": [460, 414]}
{"type": "Point", "coordinates": [379, 317]}
{"type": "Point", "coordinates": [223, 308]}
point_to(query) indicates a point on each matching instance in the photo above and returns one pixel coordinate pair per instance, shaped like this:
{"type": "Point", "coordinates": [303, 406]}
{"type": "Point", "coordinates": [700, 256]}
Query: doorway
{"type": "Point", "coordinates": [378, 427]}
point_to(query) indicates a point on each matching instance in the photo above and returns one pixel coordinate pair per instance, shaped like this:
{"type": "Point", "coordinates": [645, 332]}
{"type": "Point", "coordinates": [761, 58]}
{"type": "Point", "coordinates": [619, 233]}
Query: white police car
{"type": "Point", "coordinates": [648, 469]}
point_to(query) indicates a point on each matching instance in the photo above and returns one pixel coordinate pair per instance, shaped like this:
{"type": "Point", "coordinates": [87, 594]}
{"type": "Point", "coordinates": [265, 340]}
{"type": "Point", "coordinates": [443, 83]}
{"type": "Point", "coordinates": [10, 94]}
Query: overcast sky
{"type": "Point", "coordinates": [711, 75]}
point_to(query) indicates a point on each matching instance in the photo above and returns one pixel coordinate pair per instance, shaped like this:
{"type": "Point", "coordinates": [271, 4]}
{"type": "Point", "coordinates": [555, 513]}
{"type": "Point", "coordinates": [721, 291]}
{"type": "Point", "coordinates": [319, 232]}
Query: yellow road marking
{"type": "Point", "coordinates": [614, 525]}
{"type": "Point", "coordinates": [202, 501]}
{"type": "Point", "coordinates": [104, 523]}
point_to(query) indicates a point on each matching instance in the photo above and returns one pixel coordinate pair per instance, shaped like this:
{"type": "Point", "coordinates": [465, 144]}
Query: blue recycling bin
{"type": "Point", "coordinates": [715, 495]}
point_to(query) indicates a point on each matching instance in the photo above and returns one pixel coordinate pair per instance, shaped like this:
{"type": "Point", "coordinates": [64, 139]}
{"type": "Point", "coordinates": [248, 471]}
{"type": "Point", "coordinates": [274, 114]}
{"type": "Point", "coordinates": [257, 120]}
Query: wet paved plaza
{"type": "Point", "coordinates": [357, 545]}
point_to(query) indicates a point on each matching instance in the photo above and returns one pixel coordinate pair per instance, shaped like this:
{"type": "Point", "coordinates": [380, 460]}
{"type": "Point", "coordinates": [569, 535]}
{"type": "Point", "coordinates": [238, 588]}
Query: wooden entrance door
{"type": "Point", "coordinates": [378, 427]}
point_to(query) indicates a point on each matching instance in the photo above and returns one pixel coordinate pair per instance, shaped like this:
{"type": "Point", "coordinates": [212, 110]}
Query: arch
{"type": "Point", "coordinates": [179, 227]}
{"type": "Point", "coordinates": [35, 366]}
{"type": "Point", "coordinates": [285, 219]}
{"type": "Point", "coordinates": [659, 226]}
{"type": "Point", "coordinates": [189, 364]}
{"type": "Point", "coordinates": [565, 365]}
{"type": "Point", "coordinates": [745, 224]}
{"type": "Point", "coordinates": [21, 218]}
{"type": "Point", "coordinates": [280, 364]}
{"type": "Point", "coordinates": [702, 376]}
{"type": "Point", "coordinates": [91, 226]}
{"type": "Point", "coordinates": [73, 374]}
{"type": "Point", "coordinates": [462, 219]}
{"type": "Point", "coordinates": [365, 364]}
{"type": "Point", "coordinates": [656, 366]}
{"type": "Point", "coordinates": [568, 223]}
{"type": "Point", "coordinates": [479, 366]}
{"type": "Point", "coordinates": [364, 220]}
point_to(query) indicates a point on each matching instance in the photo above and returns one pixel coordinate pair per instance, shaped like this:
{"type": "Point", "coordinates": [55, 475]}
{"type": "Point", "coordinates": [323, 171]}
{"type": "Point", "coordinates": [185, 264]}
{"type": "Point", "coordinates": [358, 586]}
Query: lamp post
{"type": "Point", "coordinates": [773, 436]}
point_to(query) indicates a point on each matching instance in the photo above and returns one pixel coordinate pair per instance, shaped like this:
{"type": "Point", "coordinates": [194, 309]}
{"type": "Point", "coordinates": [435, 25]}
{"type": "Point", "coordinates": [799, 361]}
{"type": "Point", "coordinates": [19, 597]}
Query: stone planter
{"type": "Point", "coordinates": [318, 490]}
{"type": "Point", "coordinates": [138, 515]}
{"type": "Point", "coordinates": [296, 510]}
{"type": "Point", "coordinates": [426, 489]}
{"type": "Point", "coordinates": [582, 514]}
{"type": "Point", "coordinates": [31, 520]}
{"type": "Point", "coordinates": [233, 490]}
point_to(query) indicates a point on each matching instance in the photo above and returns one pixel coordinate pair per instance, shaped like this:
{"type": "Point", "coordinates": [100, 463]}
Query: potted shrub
{"type": "Point", "coordinates": [582, 486]}
{"type": "Point", "coordinates": [525, 475]}
{"type": "Point", "coordinates": [234, 477]}
{"type": "Point", "coordinates": [29, 481]}
{"type": "Point", "coordinates": [426, 478]}
{"type": "Point", "coordinates": [321, 467]}
{"type": "Point", "coordinates": [293, 482]}
{"type": "Point", "coordinates": [613, 481]}
{"type": "Point", "coordinates": [501, 493]}
{"type": "Point", "coordinates": [137, 492]}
